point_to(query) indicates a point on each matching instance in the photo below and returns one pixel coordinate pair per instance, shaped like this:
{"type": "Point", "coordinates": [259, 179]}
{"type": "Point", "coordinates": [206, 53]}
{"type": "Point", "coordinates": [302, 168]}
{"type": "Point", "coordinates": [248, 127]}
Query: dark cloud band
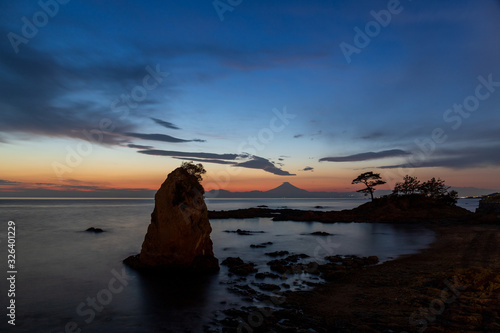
{"type": "Point", "coordinates": [367, 156]}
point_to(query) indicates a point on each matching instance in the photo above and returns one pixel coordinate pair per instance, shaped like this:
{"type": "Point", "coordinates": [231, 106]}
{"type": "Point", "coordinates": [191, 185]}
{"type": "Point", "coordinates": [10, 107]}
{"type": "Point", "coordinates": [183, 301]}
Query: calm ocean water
{"type": "Point", "coordinates": [71, 278]}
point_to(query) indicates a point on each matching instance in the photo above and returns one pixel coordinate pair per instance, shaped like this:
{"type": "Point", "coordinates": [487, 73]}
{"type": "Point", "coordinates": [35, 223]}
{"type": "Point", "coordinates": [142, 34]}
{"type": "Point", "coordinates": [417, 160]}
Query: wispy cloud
{"type": "Point", "coordinates": [165, 124]}
{"type": "Point", "coordinates": [472, 157]}
{"type": "Point", "coordinates": [214, 161]}
{"type": "Point", "coordinates": [264, 164]}
{"type": "Point", "coordinates": [236, 160]}
{"type": "Point", "coordinates": [297, 136]}
{"type": "Point", "coordinates": [139, 146]}
{"type": "Point", "coordinates": [308, 169]}
{"type": "Point", "coordinates": [160, 137]}
{"type": "Point", "coordinates": [8, 182]}
{"type": "Point", "coordinates": [190, 154]}
{"type": "Point", "coordinates": [367, 156]}
{"type": "Point", "coordinates": [69, 189]}
{"type": "Point", "coordinates": [52, 108]}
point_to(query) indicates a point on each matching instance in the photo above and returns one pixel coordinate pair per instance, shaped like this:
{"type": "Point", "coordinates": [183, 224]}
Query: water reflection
{"type": "Point", "coordinates": [175, 301]}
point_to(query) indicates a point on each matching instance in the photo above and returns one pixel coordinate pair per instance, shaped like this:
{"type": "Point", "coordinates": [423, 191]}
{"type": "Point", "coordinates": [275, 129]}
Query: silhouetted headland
{"type": "Point", "coordinates": [394, 209]}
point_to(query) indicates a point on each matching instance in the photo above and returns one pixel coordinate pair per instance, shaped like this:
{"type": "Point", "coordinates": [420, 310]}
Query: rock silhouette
{"type": "Point", "coordinates": [178, 236]}
{"type": "Point", "coordinates": [96, 230]}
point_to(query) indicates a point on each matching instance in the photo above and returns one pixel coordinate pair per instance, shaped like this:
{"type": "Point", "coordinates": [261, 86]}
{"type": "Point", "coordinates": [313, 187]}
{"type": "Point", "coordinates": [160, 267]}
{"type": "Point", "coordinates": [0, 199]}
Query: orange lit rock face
{"type": "Point", "coordinates": [179, 233]}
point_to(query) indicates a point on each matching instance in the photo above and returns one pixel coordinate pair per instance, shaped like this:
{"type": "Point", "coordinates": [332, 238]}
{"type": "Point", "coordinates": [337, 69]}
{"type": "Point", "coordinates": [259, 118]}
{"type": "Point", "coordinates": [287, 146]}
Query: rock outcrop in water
{"type": "Point", "coordinates": [96, 230]}
{"type": "Point", "coordinates": [179, 234]}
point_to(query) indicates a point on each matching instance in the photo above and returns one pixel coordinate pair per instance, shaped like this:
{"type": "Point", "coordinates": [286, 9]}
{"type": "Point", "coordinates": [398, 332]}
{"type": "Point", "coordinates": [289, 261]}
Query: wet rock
{"type": "Point", "coordinates": [283, 267]}
{"type": "Point", "coordinates": [320, 233]}
{"type": "Point", "coordinates": [278, 265]}
{"type": "Point", "coordinates": [371, 260]}
{"type": "Point", "coordinates": [232, 262]}
{"type": "Point", "coordinates": [238, 266]}
{"type": "Point", "coordinates": [336, 258]}
{"type": "Point", "coordinates": [339, 266]}
{"type": "Point", "coordinates": [264, 275]}
{"type": "Point", "coordinates": [261, 245]}
{"type": "Point", "coordinates": [244, 232]}
{"type": "Point", "coordinates": [332, 272]}
{"type": "Point", "coordinates": [312, 268]}
{"type": "Point", "coordinates": [243, 290]}
{"type": "Point", "coordinates": [268, 286]}
{"type": "Point", "coordinates": [277, 253]}
{"type": "Point", "coordinates": [96, 230]}
{"type": "Point", "coordinates": [296, 257]}
{"type": "Point", "coordinates": [288, 265]}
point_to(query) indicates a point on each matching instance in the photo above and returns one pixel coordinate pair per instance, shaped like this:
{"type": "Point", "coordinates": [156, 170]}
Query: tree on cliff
{"type": "Point", "coordinates": [410, 185]}
{"type": "Point", "coordinates": [370, 180]}
{"type": "Point", "coordinates": [434, 188]}
{"type": "Point", "coordinates": [196, 170]}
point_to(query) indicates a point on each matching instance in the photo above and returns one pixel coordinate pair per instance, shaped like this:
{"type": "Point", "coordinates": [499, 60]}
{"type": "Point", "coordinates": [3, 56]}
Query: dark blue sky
{"type": "Point", "coordinates": [259, 97]}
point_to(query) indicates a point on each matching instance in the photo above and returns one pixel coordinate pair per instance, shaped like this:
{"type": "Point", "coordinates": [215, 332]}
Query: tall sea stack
{"type": "Point", "coordinates": [178, 236]}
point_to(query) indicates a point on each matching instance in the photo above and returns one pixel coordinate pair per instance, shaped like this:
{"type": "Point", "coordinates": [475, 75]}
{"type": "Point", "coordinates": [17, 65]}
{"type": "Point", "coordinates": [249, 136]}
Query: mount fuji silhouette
{"type": "Point", "coordinates": [287, 190]}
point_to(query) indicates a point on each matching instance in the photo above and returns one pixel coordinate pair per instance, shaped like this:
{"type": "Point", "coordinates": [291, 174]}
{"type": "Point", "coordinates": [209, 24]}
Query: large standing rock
{"type": "Point", "coordinates": [179, 234]}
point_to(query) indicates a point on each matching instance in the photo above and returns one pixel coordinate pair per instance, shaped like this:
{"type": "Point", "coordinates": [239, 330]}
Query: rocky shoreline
{"type": "Point", "coordinates": [453, 286]}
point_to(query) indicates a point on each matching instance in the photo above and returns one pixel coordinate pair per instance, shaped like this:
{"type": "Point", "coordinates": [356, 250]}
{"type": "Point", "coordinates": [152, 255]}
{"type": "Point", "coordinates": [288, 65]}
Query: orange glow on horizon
{"type": "Point", "coordinates": [31, 169]}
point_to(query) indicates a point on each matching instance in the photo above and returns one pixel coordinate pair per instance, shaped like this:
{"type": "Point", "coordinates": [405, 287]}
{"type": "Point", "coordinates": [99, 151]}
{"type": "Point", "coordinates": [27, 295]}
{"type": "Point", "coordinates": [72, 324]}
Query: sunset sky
{"type": "Point", "coordinates": [113, 95]}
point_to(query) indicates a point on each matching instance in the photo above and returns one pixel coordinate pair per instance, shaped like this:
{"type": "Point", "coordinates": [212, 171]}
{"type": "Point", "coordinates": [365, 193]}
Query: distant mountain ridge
{"type": "Point", "coordinates": [285, 190]}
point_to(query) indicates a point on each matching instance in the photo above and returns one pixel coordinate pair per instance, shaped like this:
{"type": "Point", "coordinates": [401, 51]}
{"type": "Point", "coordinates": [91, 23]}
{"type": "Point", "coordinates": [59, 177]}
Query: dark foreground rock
{"type": "Point", "coordinates": [239, 267]}
{"type": "Point", "coordinates": [179, 234]}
